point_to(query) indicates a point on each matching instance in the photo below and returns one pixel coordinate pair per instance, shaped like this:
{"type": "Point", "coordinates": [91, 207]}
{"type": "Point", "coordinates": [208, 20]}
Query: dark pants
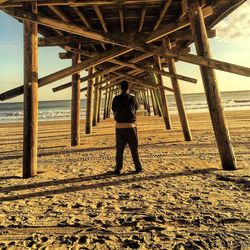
{"type": "Point", "coordinates": [124, 136]}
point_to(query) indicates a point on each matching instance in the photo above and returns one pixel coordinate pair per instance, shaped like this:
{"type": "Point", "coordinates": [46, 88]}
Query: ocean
{"type": "Point", "coordinates": [60, 110]}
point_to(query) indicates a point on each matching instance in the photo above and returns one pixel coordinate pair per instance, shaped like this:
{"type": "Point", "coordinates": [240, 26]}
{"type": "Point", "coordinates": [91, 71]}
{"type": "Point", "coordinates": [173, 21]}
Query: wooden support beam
{"type": "Point", "coordinates": [184, 10]}
{"type": "Point", "coordinates": [153, 49]}
{"type": "Point", "coordinates": [157, 103]}
{"type": "Point", "coordinates": [112, 79]}
{"type": "Point", "coordinates": [187, 35]}
{"type": "Point", "coordinates": [111, 38]}
{"type": "Point", "coordinates": [101, 18]}
{"type": "Point", "coordinates": [95, 106]}
{"type": "Point", "coordinates": [100, 73]}
{"type": "Point", "coordinates": [82, 17]}
{"type": "Point", "coordinates": [178, 97]}
{"type": "Point", "coordinates": [65, 55]}
{"type": "Point", "coordinates": [148, 101]}
{"type": "Point", "coordinates": [165, 110]}
{"type": "Point", "coordinates": [163, 12]}
{"type": "Point", "coordinates": [105, 102]}
{"type": "Point", "coordinates": [111, 93]}
{"type": "Point", "coordinates": [103, 23]}
{"type": "Point", "coordinates": [84, 89]}
{"type": "Point", "coordinates": [30, 88]}
{"type": "Point", "coordinates": [99, 102]}
{"type": "Point", "coordinates": [63, 40]}
{"type": "Point", "coordinates": [148, 69]}
{"type": "Point", "coordinates": [72, 3]}
{"type": "Point", "coordinates": [89, 105]}
{"type": "Point", "coordinates": [211, 88]}
{"type": "Point", "coordinates": [84, 20]}
{"type": "Point", "coordinates": [59, 13]}
{"type": "Point", "coordinates": [148, 84]}
{"type": "Point", "coordinates": [121, 14]}
{"type": "Point", "coordinates": [132, 65]}
{"type": "Point", "coordinates": [153, 102]}
{"type": "Point", "coordinates": [67, 72]}
{"type": "Point", "coordinates": [75, 104]}
{"type": "Point", "coordinates": [142, 18]}
{"type": "Point", "coordinates": [174, 26]}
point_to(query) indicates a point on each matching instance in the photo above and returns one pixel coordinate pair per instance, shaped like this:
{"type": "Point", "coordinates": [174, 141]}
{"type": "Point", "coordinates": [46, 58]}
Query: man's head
{"type": "Point", "coordinates": [124, 86]}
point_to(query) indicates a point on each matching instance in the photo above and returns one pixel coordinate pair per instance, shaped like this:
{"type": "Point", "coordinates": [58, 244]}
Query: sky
{"type": "Point", "coordinates": [232, 44]}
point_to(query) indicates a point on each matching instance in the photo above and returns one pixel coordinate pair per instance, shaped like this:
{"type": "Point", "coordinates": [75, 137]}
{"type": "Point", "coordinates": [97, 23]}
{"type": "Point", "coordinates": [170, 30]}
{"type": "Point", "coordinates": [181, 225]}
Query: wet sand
{"type": "Point", "coordinates": [182, 200]}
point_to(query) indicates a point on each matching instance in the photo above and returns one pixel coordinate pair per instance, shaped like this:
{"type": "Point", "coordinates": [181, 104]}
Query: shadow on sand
{"type": "Point", "coordinates": [119, 180]}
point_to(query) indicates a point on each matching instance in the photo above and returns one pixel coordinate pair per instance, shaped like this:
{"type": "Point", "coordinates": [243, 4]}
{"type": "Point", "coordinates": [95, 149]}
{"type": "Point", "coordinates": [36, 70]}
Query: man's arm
{"type": "Point", "coordinates": [114, 104]}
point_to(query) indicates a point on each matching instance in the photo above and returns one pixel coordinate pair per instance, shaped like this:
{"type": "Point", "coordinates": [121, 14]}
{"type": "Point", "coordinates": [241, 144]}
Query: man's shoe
{"type": "Point", "coordinates": [117, 172]}
{"type": "Point", "coordinates": [139, 170]}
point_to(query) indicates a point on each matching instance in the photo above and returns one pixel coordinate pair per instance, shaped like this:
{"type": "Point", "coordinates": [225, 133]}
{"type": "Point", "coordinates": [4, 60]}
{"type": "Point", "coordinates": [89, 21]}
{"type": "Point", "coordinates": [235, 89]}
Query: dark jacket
{"type": "Point", "coordinates": [124, 107]}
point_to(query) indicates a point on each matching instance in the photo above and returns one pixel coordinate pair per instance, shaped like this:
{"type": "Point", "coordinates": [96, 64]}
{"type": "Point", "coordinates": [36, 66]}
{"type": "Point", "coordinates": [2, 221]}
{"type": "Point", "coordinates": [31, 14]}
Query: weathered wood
{"type": "Point", "coordinates": [211, 88]}
{"type": "Point", "coordinates": [89, 105]}
{"type": "Point", "coordinates": [163, 12]}
{"type": "Point", "coordinates": [82, 17]}
{"type": "Point", "coordinates": [155, 110]}
{"type": "Point", "coordinates": [172, 27]}
{"type": "Point", "coordinates": [165, 110]}
{"type": "Point", "coordinates": [148, 101]}
{"type": "Point", "coordinates": [95, 107]}
{"type": "Point", "coordinates": [156, 35]}
{"type": "Point", "coordinates": [151, 70]}
{"type": "Point", "coordinates": [99, 103]}
{"type": "Point", "coordinates": [140, 81]}
{"type": "Point", "coordinates": [143, 13]}
{"type": "Point", "coordinates": [75, 104]}
{"type": "Point", "coordinates": [105, 103]}
{"type": "Point", "coordinates": [157, 101]}
{"type": "Point", "coordinates": [100, 16]}
{"type": "Point", "coordinates": [100, 73]}
{"type": "Point", "coordinates": [30, 122]}
{"type": "Point", "coordinates": [136, 44]}
{"type": "Point", "coordinates": [111, 79]}
{"type": "Point", "coordinates": [111, 93]}
{"type": "Point", "coordinates": [63, 40]}
{"type": "Point", "coordinates": [186, 35]}
{"type": "Point", "coordinates": [60, 13]}
{"type": "Point", "coordinates": [178, 97]}
{"type": "Point", "coordinates": [19, 3]}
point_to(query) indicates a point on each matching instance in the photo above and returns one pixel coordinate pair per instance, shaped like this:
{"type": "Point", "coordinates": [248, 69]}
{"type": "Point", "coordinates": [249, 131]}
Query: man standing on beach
{"type": "Point", "coordinates": [124, 107]}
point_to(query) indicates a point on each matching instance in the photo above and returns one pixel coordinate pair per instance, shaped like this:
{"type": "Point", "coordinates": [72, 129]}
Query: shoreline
{"type": "Point", "coordinates": [63, 120]}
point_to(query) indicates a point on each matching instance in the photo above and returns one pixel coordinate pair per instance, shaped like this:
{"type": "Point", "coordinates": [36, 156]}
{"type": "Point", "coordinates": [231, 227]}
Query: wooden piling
{"type": "Point", "coordinates": [157, 103]}
{"type": "Point", "coordinates": [99, 103]}
{"type": "Point", "coordinates": [89, 110]}
{"type": "Point", "coordinates": [30, 122]}
{"type": "Point", "coordinates": [211, 87]}
{"type": "Point", "coordinates": [75, 103]}
{"type": "Point", "coordinates": [148, 101]}
{"type": "Point", "coordinates": [105, 103]}
{"type": "Point", "coordinates": [109, 105]}
{"type": "Point", "coordinates": [178, 97]}
{"type": "Point", "coordinates": [95, 107]}
{"type": "Point", "coordinates": [164, 104]}
{"type": "Point", "coordinates": [153, 102]}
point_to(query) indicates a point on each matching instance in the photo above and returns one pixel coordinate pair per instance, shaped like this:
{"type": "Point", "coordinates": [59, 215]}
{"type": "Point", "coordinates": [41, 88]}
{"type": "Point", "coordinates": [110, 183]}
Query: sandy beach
{"type": "Point", "coordinates": [182, 200]}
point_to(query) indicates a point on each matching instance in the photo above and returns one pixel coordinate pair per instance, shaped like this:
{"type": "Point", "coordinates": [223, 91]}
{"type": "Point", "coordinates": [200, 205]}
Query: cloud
{"type": "Point", "coordinates": [236, 27]}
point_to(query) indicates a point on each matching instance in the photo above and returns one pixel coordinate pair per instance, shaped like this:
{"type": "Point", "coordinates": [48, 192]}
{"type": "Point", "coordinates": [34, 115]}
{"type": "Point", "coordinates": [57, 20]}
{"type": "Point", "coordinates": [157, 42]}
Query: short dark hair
{"type": "Point", "coordinates": [124, 85]}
